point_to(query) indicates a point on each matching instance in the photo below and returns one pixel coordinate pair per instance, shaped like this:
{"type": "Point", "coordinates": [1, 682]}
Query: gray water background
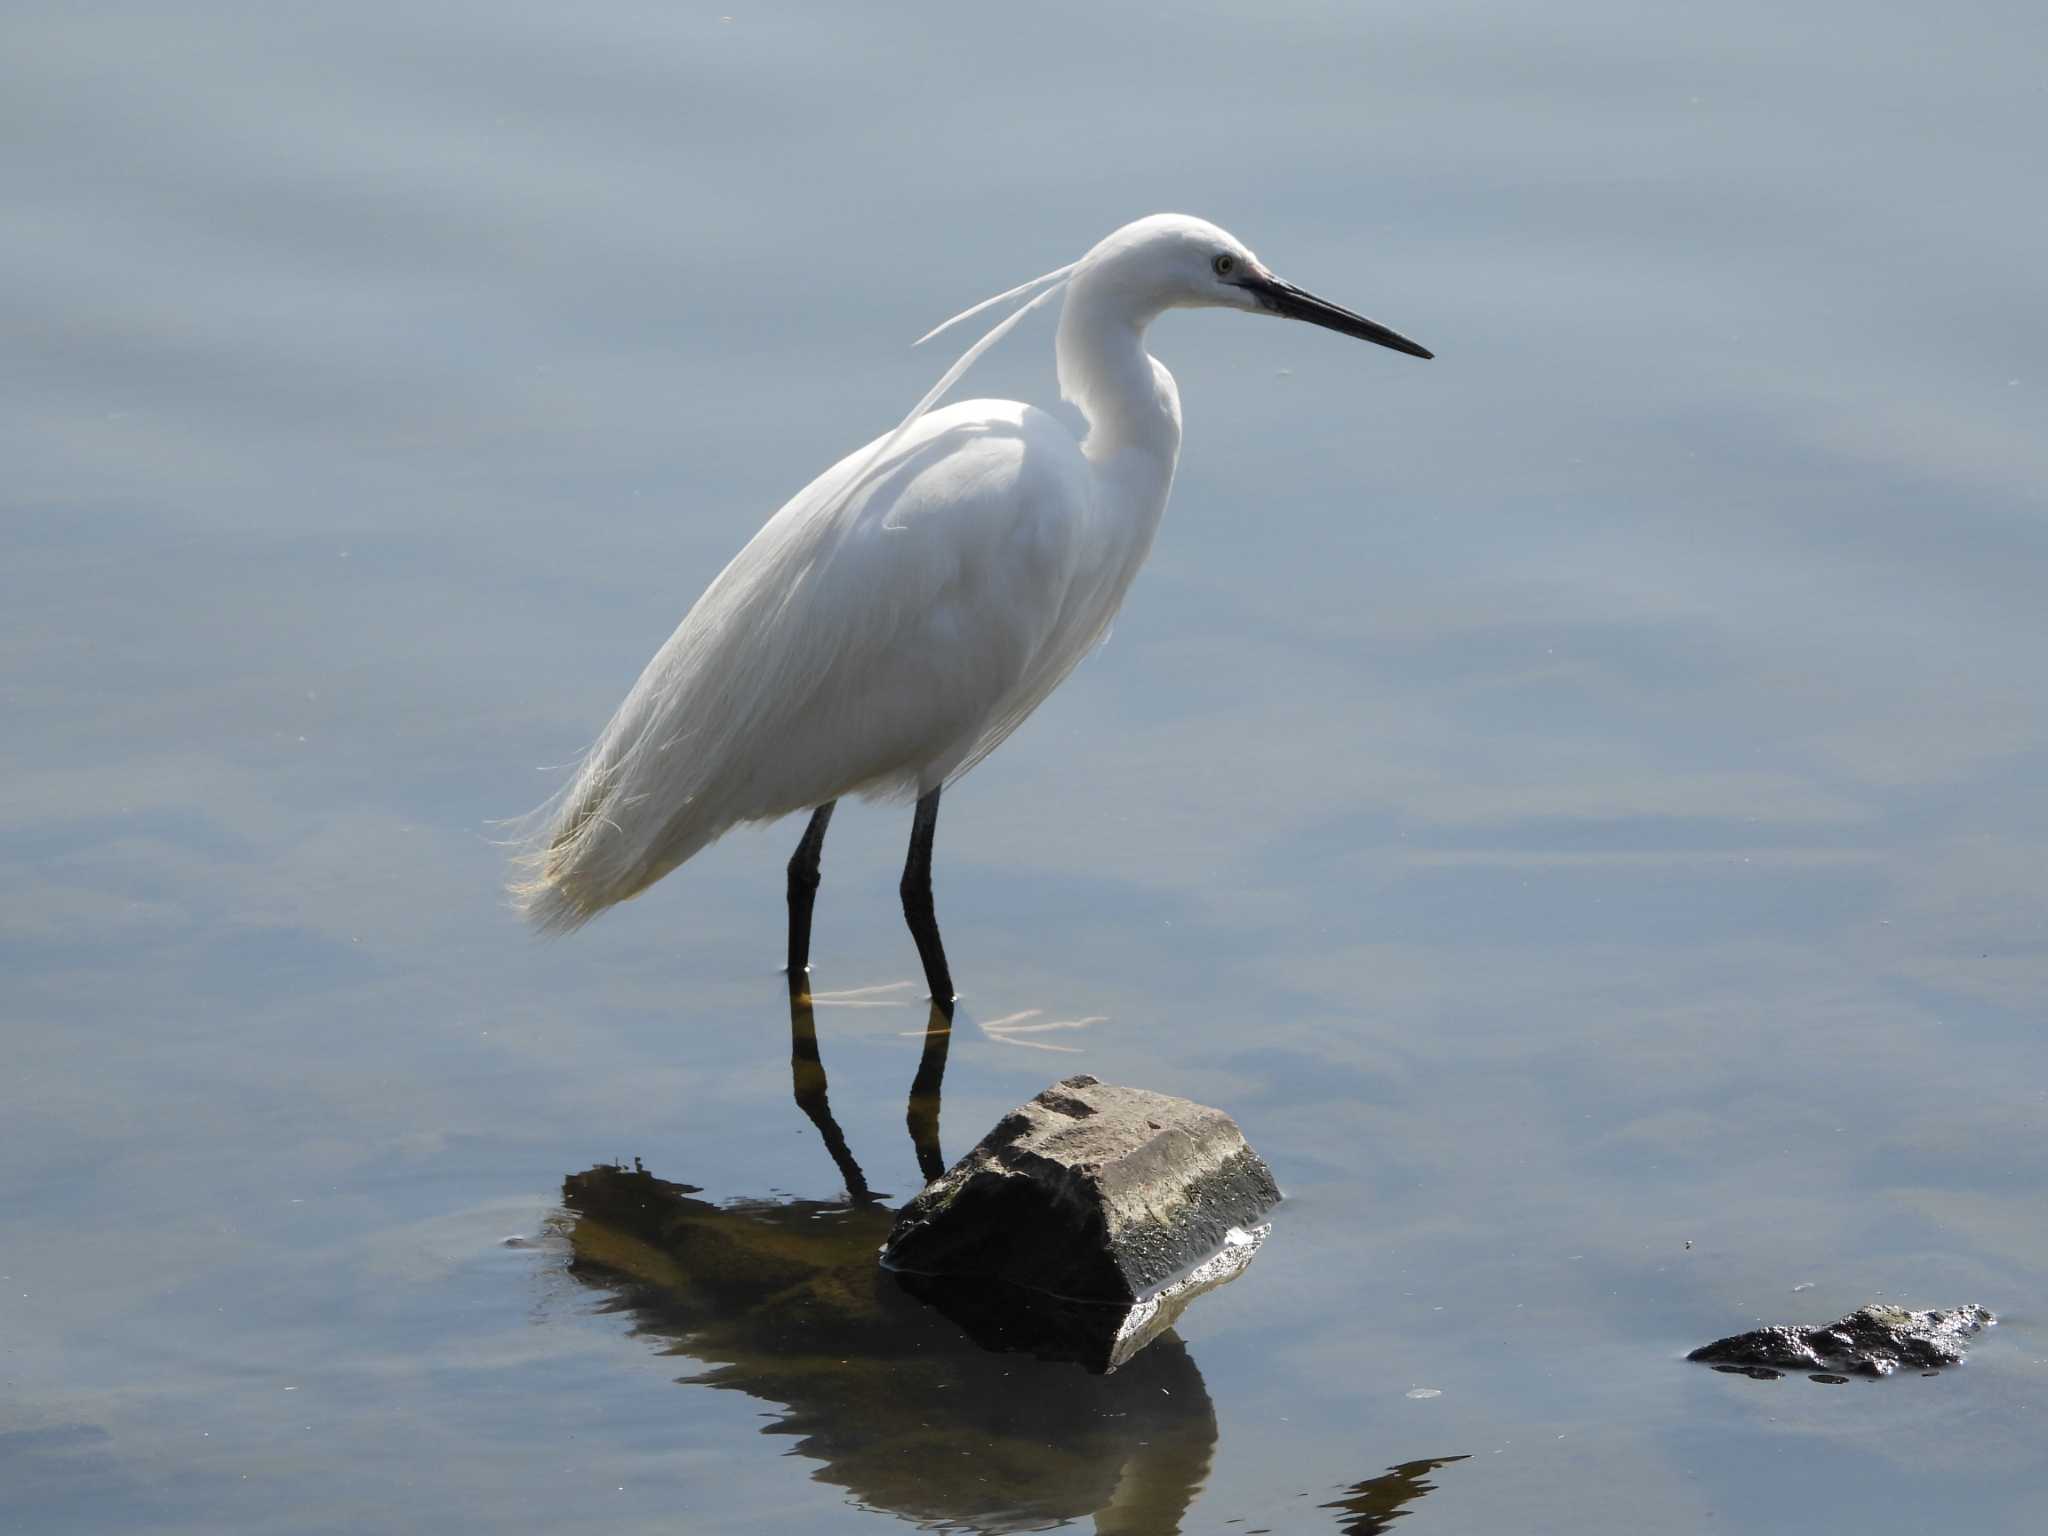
{"type": "Point", "coordinates": [1579, 802]}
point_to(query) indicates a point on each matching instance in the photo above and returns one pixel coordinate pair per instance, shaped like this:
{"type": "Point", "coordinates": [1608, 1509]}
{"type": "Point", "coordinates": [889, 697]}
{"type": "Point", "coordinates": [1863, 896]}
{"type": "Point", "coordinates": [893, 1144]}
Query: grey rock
{"type": "Point", "coordinates": [1090, 1192]}
{"type": "Point", "coordinates": [1871, 1341]}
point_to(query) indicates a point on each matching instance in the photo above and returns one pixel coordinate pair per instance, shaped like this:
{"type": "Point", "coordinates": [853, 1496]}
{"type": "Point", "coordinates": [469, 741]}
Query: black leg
{"type": "Point", "coordinates": [803, 891]}
{"type": "Point", "coordinates": [917, 899]}
{"type": "Point", "coordinates": [922, 1114]}
{"type": "Point", "coordinates": [807, 1079]}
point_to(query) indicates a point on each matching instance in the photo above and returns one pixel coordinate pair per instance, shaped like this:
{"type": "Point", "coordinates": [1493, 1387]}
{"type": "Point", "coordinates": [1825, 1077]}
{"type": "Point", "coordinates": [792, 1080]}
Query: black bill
{"type": "Point", "coordinates": [1284, 298]}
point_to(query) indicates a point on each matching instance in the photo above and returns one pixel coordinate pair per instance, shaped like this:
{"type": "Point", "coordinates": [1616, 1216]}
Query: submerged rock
{"type": "Point", "coordinates": [1090, 1193]}
{"type": "Point", "coordinates": [1871, 1341]}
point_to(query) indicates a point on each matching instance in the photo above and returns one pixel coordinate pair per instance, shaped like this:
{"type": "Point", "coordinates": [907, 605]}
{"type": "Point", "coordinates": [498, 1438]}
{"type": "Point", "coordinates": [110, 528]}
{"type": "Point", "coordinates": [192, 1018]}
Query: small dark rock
{"type": "Point", "coordinates": [1871, 1341]}
{"type": "Point", "coordinates": [1090, 1192]}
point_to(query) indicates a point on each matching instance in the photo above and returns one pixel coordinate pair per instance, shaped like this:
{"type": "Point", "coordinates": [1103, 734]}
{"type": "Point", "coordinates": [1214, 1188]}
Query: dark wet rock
{"type": "Point", "coordinates": [1099, 1336]}
{"type": "Point", "coordinates": [1871, 1341]}
{"type": "Point", "coordinates": [1092, 1193]}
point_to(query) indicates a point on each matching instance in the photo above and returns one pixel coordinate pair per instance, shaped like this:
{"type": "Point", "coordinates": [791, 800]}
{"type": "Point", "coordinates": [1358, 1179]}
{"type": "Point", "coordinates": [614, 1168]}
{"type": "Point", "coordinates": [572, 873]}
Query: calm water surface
{"type": "Point", "coordinates": [1578, 802]}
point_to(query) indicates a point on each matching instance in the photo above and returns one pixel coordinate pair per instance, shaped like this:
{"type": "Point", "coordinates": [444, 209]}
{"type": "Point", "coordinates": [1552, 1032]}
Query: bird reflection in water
{"type": "Point", "coordinates": [921, 1114]}
{"type": "Point", "coordinates": [813, 1097]}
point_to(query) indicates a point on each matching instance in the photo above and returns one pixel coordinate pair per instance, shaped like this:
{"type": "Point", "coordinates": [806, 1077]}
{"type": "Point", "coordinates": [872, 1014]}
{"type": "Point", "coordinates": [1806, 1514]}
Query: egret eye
{"type": "Point", "coordinates": [1224, 264]}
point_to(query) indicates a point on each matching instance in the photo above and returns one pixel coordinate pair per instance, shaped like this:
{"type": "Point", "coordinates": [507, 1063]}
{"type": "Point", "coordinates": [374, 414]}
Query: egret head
{"type": "Point", "coordinates": [1176, 261]}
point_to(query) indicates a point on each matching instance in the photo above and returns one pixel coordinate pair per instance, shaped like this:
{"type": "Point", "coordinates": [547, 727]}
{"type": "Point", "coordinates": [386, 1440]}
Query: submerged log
{"type": "Point", "coordinates": [1090, 1193]}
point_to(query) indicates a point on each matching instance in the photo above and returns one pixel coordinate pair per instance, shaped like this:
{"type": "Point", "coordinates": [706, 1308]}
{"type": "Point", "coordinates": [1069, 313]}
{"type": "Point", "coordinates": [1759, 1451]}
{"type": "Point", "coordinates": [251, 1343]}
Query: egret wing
{"type": "Point", "coordinates": [860, 643]}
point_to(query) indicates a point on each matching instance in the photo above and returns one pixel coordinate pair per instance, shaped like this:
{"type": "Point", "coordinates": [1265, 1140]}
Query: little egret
{"type": "Point", "coordinates": [906, 610]}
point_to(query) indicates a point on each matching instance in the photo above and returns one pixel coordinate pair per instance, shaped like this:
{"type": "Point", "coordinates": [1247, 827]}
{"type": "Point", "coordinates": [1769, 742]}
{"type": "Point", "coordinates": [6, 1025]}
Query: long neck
{"type": "Point", "coordinates": [1129, 399]}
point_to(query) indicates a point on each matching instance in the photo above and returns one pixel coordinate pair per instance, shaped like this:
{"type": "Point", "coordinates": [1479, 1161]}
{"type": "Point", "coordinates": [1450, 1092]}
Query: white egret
{"type": "Point", "coordinates": [906, 610]}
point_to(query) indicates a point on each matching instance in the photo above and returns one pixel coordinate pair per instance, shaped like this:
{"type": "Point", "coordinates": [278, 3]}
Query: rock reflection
{"type": "Point", "coordinates": [1375, 1504]}
{"type": "Point", "coordinates": [784, 1300]}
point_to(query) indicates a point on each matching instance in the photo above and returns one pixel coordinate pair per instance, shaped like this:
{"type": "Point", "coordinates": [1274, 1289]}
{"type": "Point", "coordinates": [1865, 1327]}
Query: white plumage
{"type": "Point", "coordinates": [906, 610]}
